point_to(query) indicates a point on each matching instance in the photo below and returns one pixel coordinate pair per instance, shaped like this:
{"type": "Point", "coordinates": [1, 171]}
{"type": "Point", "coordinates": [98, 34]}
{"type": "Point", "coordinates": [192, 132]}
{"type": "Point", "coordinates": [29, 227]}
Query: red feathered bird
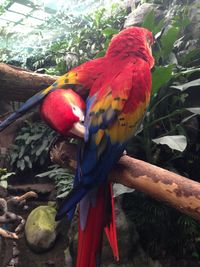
{"type": "Point", "coordinates": [63, 110]}
{"type": "Point", "coordinates": [119, 86]}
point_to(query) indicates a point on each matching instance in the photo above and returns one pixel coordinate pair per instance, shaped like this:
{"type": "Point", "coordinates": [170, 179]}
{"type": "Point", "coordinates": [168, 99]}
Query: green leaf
{"type": "Point", "coordinates": [22, 137]}
{"type": "Point", "coordinates": [5, 176]}
{"type": "Point", "coordinates": [22, 150]}
{"type": "Point", "coordinates": [21, 164]}
{"type": "Point", "coordinates": [63, 195]}
{"type": "Point", "coordinates": [167, 41]}
{"type": "Point", "coordinates": [185, 86]}
{"type": "Point", "coordinates": [194, 110]}
{"type": "Point", "coordinates": [4, 184]}
{"type": "Point", "coordinates": [150, 23]}
{"type": "Point", "coordinates": [187, 72]}
{"type": "Point", "coordinates": [161, 75]}
{"type": "Point", "coordinates": [28, 160]}
{"type": "Point", "coordinates": [108, 32]}
{"type": "Point", "coordinates": [44, 174]}
{"type": "Point", "coordinates": [119, 189]}
{"type": "Point", "coordinates": [190, 56]}
{"type": "Point", "coordinates": [176, 142]}
{"type": "Point", "coordinates": [149, 20]}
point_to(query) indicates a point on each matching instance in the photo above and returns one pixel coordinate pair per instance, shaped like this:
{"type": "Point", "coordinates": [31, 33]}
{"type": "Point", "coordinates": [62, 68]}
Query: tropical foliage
{"type": "Point", "coordinates": [62, 178]}
{"type": "Point", "coordinates": [78, 39]}
{"type": "Point", "coordinates": [31, 147]}
{"type": "Point", "coordinates": [169, 137]}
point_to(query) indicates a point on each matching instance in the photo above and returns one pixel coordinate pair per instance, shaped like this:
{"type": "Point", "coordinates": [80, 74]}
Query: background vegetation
{"type": "Point", "coordinates": [169, 136]}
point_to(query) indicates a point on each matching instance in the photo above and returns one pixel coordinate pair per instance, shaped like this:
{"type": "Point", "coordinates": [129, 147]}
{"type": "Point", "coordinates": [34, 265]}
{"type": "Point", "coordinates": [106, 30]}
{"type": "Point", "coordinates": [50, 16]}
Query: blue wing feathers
{"type": "Point", "coordinates": [69, 203]}
{"type": "Point", "coordinates": [94, 178]}
{"type": "Point", "coordinates": [94, 161]}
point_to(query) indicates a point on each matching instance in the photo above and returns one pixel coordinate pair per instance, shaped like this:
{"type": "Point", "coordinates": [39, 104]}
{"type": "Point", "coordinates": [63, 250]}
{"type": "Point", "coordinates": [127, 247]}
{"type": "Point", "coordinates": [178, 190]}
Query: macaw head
{"type": "Point", "coordinates": [63, 110]}
{"type": "Point", "coordinates": [132, 41]}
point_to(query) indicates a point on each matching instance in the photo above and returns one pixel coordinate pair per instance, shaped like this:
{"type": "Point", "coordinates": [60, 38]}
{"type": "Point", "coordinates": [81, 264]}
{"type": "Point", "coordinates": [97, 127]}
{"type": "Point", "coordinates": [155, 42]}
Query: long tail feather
{"type": "Point", "coordinates": [90, 237]}
{"type": "Point", "coordinates": [30, 103]}
{"type": "Point", "coordinates": [110, 227]}
{"type": "Point", "coordinates": [70, 202]}
{"type": "Point", "coordinates": [91, 232]}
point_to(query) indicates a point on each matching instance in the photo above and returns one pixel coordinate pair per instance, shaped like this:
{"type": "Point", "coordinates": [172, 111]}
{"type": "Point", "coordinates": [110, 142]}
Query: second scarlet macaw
{"type": "Point", "coordinates": [119, 86]}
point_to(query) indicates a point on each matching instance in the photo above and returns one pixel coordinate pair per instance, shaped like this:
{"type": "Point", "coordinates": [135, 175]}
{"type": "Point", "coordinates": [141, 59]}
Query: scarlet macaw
{"type": "Point", "coordinates": [119, 86]}
{"type": "Point", "coordinates": [66, 118]}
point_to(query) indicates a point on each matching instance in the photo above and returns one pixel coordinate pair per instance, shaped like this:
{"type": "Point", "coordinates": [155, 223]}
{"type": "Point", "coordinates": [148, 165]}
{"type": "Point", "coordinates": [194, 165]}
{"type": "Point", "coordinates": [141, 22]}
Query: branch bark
{"type": "Point", "coordinates": [171, 188]}
{"type": "Point", "coordinates": [19, 84]}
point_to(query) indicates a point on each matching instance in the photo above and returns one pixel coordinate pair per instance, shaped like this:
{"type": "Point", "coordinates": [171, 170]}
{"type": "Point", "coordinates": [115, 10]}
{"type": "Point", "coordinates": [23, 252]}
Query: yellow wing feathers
{"type": "Point", "coordinates": [123, 128]}
{"type": "Point", "coordinates": [65, 81]}
{"type": "Point", "coordinates": [107, 116]}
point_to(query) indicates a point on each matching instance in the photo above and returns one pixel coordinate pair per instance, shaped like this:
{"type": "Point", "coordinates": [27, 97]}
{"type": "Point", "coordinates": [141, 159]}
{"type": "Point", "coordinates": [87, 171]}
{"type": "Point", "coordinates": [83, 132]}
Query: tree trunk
{"type": "Point", "coordinates": [18, 84]}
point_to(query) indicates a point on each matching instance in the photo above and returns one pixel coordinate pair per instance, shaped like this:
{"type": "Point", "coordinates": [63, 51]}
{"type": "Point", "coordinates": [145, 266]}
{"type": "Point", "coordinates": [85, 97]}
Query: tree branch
{"type": "Point", "coordinates": [171, 188]}
{"type": "Point", "coordinates": [19, 84]}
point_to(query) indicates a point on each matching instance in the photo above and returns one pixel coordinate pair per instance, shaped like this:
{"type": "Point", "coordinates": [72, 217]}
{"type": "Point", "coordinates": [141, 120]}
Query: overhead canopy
{"type": "Point", "coordinates": [29, 25]}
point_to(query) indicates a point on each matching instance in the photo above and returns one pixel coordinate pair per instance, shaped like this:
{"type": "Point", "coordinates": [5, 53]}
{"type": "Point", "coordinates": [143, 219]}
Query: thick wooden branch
{"type": "Point", "coordinates": [176, 190]}
{"type": "Point", "coordinates": [19, 84]}
{"type": "Point", "coordinates": [171, 188]}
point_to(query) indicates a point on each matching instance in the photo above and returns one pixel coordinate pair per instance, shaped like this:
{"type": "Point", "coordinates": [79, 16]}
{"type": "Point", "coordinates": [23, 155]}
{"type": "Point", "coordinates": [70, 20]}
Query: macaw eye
{"type": "Point", "coordinates": [78, 112]}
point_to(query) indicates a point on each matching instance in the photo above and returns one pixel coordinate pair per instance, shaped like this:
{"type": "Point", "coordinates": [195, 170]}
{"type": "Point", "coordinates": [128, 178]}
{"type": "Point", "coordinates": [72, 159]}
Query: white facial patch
{"type": "Point", "coordinates": [78, 112]}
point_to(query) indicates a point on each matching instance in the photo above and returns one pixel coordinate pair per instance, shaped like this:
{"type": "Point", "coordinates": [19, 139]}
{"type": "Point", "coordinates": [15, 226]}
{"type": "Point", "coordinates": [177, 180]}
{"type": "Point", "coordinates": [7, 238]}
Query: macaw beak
{"type": "Point", "coordinates": [78, 129]}
{"type": "Point", "coordinates": [30, 103]}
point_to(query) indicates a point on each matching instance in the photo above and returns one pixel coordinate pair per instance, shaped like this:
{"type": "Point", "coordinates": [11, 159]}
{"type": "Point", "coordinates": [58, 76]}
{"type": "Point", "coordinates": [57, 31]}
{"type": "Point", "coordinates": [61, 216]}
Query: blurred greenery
{"type": "Point", "coordinates": [80, 39]}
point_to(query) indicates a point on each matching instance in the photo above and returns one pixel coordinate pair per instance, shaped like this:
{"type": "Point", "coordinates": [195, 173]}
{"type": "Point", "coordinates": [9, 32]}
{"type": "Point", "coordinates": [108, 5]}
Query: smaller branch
{"type": "Point", "coordinates": [8, 234]}
{"type": "Point", "coordinates": [26, 196]}
{"type": "Point", "coordinates": [19, 84]}
{"type": "Point", "coordinates": [8, 216]}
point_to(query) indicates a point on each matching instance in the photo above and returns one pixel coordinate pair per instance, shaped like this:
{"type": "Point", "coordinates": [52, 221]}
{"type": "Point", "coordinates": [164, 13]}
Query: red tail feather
{"type": "Point", "coordinates": [110, 228]}
{"type": "Point", "coordinates": [90, 239]}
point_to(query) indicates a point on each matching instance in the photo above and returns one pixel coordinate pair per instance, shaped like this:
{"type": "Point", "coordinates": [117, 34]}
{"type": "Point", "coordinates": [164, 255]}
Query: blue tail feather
{"type": "Point", "coordinates": [69, 203]}
{"type": "Point", "coordinates": [30, 103]}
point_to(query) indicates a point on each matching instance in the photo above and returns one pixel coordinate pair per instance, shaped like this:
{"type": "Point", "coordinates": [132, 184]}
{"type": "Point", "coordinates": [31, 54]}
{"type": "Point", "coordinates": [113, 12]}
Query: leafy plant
{"type": "Point", "coordinates": [78, 39]}
{"type": "Point", "coordinates": [87, 37]}
{"type": "Point", "coordinates": [30, 148]}
{"type": "Point", "coordinates": [163, 231]}
{"type": "Point", "coordinates": [62, 178]}
{"type": "Point", "coordinates": [169, 137]}
{"type": "Point", "coordinates": [4, 176]}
